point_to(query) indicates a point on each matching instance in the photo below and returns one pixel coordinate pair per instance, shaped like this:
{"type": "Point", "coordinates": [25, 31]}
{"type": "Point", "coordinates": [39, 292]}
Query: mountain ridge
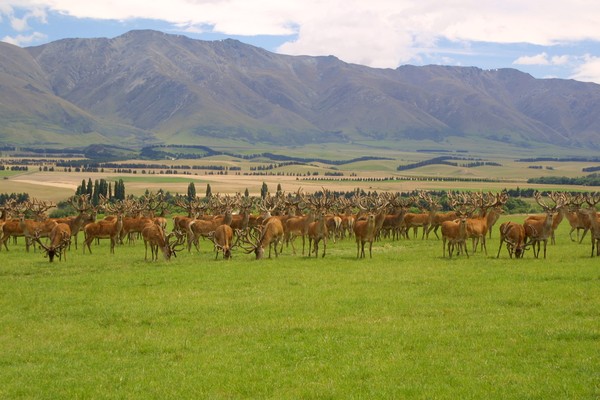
{"type": "Point", "coordinates": [149, 87]}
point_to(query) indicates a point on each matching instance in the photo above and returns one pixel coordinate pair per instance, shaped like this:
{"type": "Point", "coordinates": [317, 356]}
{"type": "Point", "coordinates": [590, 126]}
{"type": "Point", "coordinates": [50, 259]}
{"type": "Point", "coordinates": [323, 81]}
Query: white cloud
{"type": "Point", "coordinates": [589, 70]}
{"type": "Point", "coordinates": [379, 33]}
{"type": "Point", "coordinates": [539, 59]}
{"type": "Point", "coordinates": [23, 40]}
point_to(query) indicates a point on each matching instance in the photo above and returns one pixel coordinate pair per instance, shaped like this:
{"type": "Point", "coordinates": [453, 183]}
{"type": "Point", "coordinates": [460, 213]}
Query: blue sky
{"type": "Point", "coordinates": [548, 39]}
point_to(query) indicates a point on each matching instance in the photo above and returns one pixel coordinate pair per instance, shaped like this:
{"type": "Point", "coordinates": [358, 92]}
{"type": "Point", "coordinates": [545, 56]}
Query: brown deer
{"type": "Point", "coordinates": [271, 235]}
{"type": "Point", "coordinates": [86, 214]}
{"type": "Point", "coordinates": [106, 229]}
{"type": "Point", "coordinates": [317, 230]}
{"type": "Point", "coordinates": [222, 238]}
{"type": "Point", "coordinates": [537, 230]}
{"type": "Point", "coordinates": [40, 226]}
{"type": "Point", "coordinates": [423, 219]}
{"type": "Point", "coordinates": [454, 233]}
{"type": "Point", "coordinates": [477, 227]}
{"type": "Point", "coordinates": [60, 238]}
{"type": "Point", "coordinates": [592, 200]}
{"type": "Point", "coordinates": [154, 235]}
{"type": "Point", "coordinates": [513, 234]}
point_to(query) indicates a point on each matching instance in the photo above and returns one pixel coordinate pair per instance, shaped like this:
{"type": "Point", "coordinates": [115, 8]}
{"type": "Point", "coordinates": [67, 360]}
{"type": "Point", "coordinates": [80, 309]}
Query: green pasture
{"type": "Point", "coordinates": [405, 324]}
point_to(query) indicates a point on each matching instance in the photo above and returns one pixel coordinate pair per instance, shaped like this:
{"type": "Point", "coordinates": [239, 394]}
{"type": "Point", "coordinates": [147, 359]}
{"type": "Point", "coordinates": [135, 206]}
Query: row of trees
{"type": "Point", "coordinates": [101, 187]}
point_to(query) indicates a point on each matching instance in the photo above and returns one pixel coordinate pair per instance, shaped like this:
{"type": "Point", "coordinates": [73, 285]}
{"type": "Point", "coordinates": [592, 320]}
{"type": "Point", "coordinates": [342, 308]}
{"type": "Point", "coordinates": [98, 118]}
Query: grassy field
{"type": "Point", "coordinates": [405, 324]}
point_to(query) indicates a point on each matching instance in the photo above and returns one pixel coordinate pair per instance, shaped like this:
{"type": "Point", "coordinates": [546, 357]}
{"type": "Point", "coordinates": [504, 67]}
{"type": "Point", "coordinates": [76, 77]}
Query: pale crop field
{"type": "Point", "coordinates": [405, 324]}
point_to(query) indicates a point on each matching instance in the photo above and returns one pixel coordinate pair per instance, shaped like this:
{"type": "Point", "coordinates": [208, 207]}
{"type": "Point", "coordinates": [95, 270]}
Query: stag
{"type": "Point", "coordinates": [60, 238]}
{"type": "Point", "coordinates": [537, 230]}
{"type": "Point", "coordinates": [423, 219]}
{"type": "Point", "coordinates": [513, 235]}
{"type": "Point", "coordinates": [222, 238]}
{"type": "Point", "coordinates": [154, 235]}
{"type": "Point", "coordinates": [454, 233]}
{"type": "Point", "coordinates": [106, 229]}
{"type": "Point", "coordinates": [86, 214]}
{"type": "Point", "coordinates": [317, 230]}
{"type": "Point", "coordinates": [271, 235]}
{"type": "Point", "coordinates": [592, 200]}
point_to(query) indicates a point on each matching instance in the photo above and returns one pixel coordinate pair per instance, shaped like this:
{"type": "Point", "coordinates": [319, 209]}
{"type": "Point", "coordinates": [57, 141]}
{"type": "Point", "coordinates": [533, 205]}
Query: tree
{"type": "Point", "coordinates": [264, 190]}
{"type": "Point", "coordinates": [191, 191]}
{"type": "Point", "coordinates": [120, 190]}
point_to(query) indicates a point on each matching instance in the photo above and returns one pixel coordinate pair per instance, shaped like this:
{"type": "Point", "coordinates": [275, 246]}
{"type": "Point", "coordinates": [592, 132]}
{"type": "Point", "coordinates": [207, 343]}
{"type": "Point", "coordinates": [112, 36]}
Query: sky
{"type": "Point", "coordinates": [545, 38]}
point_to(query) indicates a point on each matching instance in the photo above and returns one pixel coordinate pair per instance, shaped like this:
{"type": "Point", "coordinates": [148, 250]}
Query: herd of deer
{"type": "Point", "coordinates": [229, 222]}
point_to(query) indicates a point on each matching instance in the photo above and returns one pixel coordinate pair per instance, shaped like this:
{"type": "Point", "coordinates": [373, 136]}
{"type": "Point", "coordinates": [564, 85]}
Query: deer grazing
{"type": "Point", "coordinates": [154, 235]}
{"type": "Point", "coordinates": [270, 235]}
{"type": "Point", "coordinates": [222, 238]}
{"type": "Point", "coordinates": [540, 230]}
{"type": "Point", "coordinates": [513, 235]}
{"type": "Point", "coordinates": [60, 238]}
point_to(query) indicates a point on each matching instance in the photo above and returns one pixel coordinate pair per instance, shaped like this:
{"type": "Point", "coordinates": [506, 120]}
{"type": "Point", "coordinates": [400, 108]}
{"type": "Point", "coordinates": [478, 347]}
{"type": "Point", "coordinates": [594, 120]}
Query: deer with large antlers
{"type": "Point", "coordinates": [222, 238]}
{"type": "Point", "coordinates": [423, 219]}
{"type": "Point", "coordinates": [86, 214]}
{"type": "Point", "coordinates": [514, 236]}
{"type": "Point", "coordinates": [155, 236]}
{"type": "Point", "coordinates": [60, 238]}
{"type": "Point", "coordinates": [106, 229]}
{"type": "Point", "coordinates": [365, 229]}
{"type": "Point", "coordinates": [454, 233]}
{"type": "Point", "coordinates": [317, 230]}
{"type": "Point", "coordinates": [40, 225]}
{"type": "Point", "coordinates": [270, 235]}
{"type": "Point", "coordinates": [477, 227]}
{"type": "Point", "coordinates": [295, 226]}
{"type": "Point", "coordinates": [537, 230]}
{"type": "Point", "coordinates": [592, 214]}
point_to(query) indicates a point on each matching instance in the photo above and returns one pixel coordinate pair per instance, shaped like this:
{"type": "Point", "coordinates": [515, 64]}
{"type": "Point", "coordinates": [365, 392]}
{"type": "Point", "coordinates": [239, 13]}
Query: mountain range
{"type": "Point", "coordinates": [148, 87]}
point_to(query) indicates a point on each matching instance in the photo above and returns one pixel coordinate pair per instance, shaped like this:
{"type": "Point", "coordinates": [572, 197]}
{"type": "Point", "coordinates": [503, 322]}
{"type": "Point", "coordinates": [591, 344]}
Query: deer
{"type": "Point", "coordinates": [424, 219]}
{"type": "Point", "coordinates": [394, 222]}
{"type": "Point", "coordinates": [513, 234]}
{"type": "Point", "coordinates": [41, 225]}
{"type": "Point", "coordinates": [496, 211]}
{"type": "Point", "coordinates": [60, 238]}
{"type": "Point", "coordinates": [537, 230]}
{"type": "Point", "coordinates": [592, 200]}
{"type": "Point", "coordinates": [86, 214]}
{"type": "Point", "coordinates": [10, 227]}
{"type": "Point", "coordinates": [365, 229]}
{"type": "Point", "coordinates": [477, 228]}
{"type": "Point", "coordinates": [298, 226]}
{"type": "Point", "coordinates": [317, 230]}
{"type": "Point", "coordinates": [222, 238]}
{"type": "Point", "coordinates": [454, 233]}
{"type": "Point", "coordinates": [271, 235]}
{"type": "Point", "coordinates": [106, 229]}
{"type": "Point", "coordinates": [154, 235]}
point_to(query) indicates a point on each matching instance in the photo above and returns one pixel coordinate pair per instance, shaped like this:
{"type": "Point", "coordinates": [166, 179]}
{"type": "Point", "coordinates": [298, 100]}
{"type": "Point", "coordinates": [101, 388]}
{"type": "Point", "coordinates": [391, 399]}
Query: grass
{"type": "Point", "coordinates": [404, 324]}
